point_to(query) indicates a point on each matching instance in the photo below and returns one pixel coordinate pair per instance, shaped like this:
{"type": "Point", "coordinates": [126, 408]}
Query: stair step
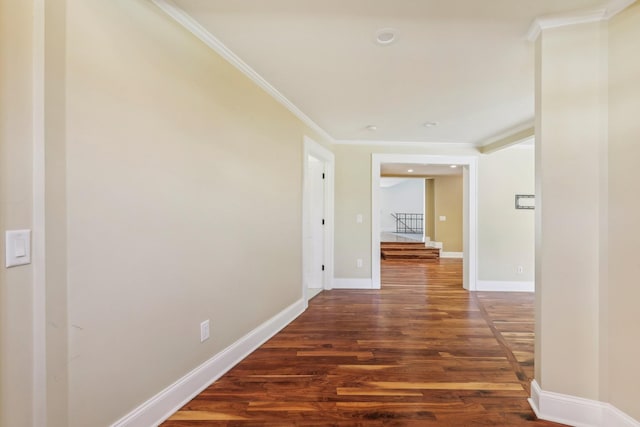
{"type": "Point", "coordinates": [410, 248]}
{"type": "Point", "coordinates": [415, 254]}
{"type": "Point", "coordinates": [385, 245]}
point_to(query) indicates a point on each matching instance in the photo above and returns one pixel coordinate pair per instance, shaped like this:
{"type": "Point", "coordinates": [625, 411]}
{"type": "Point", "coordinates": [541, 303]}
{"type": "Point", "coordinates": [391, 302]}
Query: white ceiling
{"type": "Point", "coordinates": [465, 64]}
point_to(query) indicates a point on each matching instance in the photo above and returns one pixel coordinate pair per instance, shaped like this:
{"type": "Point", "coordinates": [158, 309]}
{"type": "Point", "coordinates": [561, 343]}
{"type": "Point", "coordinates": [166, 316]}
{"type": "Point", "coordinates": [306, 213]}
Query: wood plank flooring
{"type": "Point", "coordinates": [419, 352]}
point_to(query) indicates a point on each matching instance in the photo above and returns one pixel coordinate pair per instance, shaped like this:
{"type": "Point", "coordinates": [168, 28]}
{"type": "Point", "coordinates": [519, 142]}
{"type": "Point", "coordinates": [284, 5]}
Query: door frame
{"type": "Point", "coordinates": [469, 209]}
{"type": "Point", "coordinates": [312, 148]}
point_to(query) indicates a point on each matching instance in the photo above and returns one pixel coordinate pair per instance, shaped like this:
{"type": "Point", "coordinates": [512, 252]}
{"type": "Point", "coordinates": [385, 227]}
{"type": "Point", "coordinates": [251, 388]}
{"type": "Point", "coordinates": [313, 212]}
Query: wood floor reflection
{"type": "Point", "coordinates": [419, 352]}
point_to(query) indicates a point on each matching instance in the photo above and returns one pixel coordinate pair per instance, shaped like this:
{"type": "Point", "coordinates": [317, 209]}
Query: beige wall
{"type": "Point", "coordinates": [505, 235]}
{"type": "Point", "coordinates": [16, 195]}
{"type": "Point", "coordinates": [184, 204]}
{"type": "Point", "coordinates": [587, 155]}
{"type": "Point", "coordinates": [624, 205]}
{"type": "Point", "coordinates": [568, 147]}
{"type": "Point", "coordinates": [153, 144]}
{"type": "Point", "coordinates": [429, 209]}
{"type": "Point", "coordinates": [56, 220]}
{"type": "Point", "coordinates": [448, 203]}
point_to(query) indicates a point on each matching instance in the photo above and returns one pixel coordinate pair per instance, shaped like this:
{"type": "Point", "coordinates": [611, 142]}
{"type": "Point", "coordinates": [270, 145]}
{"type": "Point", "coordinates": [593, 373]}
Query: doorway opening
{"type": "Point", "coordinates": [317, 219]}
{"type": "Point", "coordinates": [468, 165]}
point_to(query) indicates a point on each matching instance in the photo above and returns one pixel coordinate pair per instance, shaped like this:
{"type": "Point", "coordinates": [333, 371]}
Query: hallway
{"type": "Point", "coordinates": [419, 352]}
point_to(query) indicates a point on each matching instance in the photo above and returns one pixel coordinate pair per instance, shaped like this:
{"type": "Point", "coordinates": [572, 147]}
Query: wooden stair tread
{"type": "Point", "coordinates": [401, 243]}
{"type": "Point", "coordinates": [411, 254]}
{"type": "Point", "coordinates": [422, 248]}
{"type": "Point", "coordinates": [408, 250]}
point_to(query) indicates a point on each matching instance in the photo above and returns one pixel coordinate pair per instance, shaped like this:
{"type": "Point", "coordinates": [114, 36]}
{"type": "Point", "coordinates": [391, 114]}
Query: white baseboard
{"type": "Point", "coordinates": [504, 286]}
{"type": "Point", "coordinates": [352, 283]}
{"type": "Point", "coordinates": [161, 406]}
{"type": "Point", "coordinates": [451, 254]}
{"type": "Point", "coordinates": [576, 411]}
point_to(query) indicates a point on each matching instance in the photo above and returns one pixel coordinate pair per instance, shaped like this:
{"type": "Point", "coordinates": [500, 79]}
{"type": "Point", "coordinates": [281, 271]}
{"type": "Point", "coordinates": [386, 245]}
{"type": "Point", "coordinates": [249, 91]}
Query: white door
{"type": "Point", "coordinates": [316, 180]}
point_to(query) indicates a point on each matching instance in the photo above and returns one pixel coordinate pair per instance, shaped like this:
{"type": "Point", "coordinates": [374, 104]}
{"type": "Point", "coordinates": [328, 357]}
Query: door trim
{"type": "Point", "coordinates": [312, 148]}
{"type": "Point", "coordinates": [470, 209]}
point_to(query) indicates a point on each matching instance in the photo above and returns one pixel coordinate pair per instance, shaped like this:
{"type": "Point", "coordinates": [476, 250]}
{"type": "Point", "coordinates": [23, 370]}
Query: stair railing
{"type": "Point", "coordinates": [409, 223]}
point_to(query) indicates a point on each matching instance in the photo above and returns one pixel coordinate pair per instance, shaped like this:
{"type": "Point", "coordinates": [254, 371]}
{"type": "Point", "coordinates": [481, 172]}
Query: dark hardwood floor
{"type": "Point", "coordinates": [419, 352]}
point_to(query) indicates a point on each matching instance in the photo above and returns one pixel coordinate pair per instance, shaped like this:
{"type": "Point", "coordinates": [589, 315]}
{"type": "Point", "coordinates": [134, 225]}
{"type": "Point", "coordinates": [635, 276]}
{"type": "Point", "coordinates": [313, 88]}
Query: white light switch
{"type": "Point", "coordinates": [443, 218]}
{"type": "Point", "coordinates": [18, 247]}
{"type": "Point", "coordinates": [359, 218]}
{"type": "Point", "coordinates": [21, 248]}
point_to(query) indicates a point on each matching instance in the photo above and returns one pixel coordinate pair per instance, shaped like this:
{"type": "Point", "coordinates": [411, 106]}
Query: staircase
{"type": "Point", "coordinates": [408, 251]}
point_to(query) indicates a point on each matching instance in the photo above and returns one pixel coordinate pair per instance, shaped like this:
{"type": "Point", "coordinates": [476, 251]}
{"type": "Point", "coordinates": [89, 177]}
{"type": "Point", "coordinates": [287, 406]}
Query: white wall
{"type": "Point", "coordinates": [404, 195]}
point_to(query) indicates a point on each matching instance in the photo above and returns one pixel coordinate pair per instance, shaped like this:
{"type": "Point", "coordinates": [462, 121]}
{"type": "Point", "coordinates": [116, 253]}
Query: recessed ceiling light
{"type": "Point", "coordinates": [372, 127]}
{"type": "Point", "coordinates": [410, 170]}
{"type": "Point", "coordinates": [386, 36]}
{"type": "Point", "coordinates": [430, 124]}
{"type": "Point", "coordinates": [453, 166]}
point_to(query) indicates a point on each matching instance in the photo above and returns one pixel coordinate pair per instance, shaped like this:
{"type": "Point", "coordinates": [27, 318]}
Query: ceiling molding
{"type": "Point", "coordinates": [211, 41]}
{"type": "Point", "coordinates": [403, 143]}
{"type": "Point", "coordinates": [545, 23]}
{"type": "Point", "coordinates": [616, 6]}
{"type": "Point", "coordinates": [507, 141]}
{"type": "Point", "coordinates": [580, 17]}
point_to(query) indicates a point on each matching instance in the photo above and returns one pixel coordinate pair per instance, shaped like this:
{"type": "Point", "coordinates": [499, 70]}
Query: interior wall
{"type": "Point", "coordinates": [448, 201]}
{"type": "Point", "coordinates": [506, 239]}
{"type": "Point", "coordinates": [570, 115]}
{"type": "Point", "coordinates": [406, 196]}
{"type": "Point", "coordinates": [624, 230]}
{"type": "Point", "coordinates": [184, 197]}
{"type": "Point", "coordinates": [55, 213]}
{"type": "Point", "coordinates": [429, 209]}
{"type": "Point", "coordinates": [16, 210]}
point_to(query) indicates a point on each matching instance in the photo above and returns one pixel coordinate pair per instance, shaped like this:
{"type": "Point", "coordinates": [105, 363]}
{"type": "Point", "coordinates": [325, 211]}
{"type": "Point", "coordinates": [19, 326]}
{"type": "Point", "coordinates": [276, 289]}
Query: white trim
{"type": "Point", "coordinates": [422, 144]}
{"type": "Point", "coordinates": [339, 283]}
{"type": "Point", "coordinates": [164, 404]}
{"type": "Point", "coordinates": [210, 40]}
{"type": "Point", "coordinates": [576, 411]}
{"type": "Point", "coordinates": [38, 236]}
{"type": "Point", "coordinates": [312, 148]}
{"type": "Point", "coordinates": [470, 210]}
{"type": "Point", "coordinates": [614, 417]}
{"type": "Point", "coordinates": [451, 254]}
{"type": "Point", "coordinates": [616, 6]}
{"type": "Point", "coordinates": [581, 17]}
{"type": "Point", "coordinates": [545, 23]}
{"type": "Point", "coordinates": [505, 286]}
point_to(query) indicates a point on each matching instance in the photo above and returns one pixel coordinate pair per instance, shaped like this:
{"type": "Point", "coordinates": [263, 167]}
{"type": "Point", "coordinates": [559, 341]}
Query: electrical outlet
{"type": "Point", "coordinates": [359, 263]}
{"type": "Point", "coordinates": [204, 331]}
{"type": "Point", "coordinates": [520, 269]}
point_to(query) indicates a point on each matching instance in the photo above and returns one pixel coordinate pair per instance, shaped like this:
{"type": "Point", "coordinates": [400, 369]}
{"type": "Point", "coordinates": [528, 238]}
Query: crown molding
{"type": "Point", "coordinates": [403, 143]}
{"type": "Point", "coordinates": [580, 17]}
{"type": "Point", "coordinates": [527, 134]}
{"type": "Point", "coordinates": [547, 22]}
{"type": "Point", "coordinates": [616, 6]}
{"type": "Point", "coordinates": [193, 26]}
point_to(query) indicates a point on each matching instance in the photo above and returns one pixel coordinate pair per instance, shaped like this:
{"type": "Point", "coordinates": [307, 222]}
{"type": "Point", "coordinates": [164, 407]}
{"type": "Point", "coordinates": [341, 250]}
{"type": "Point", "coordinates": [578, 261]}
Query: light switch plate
{"type": "Point", "coordinates": [443, 218]}
{"type": "Point", "coordinates": [17, 247]}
